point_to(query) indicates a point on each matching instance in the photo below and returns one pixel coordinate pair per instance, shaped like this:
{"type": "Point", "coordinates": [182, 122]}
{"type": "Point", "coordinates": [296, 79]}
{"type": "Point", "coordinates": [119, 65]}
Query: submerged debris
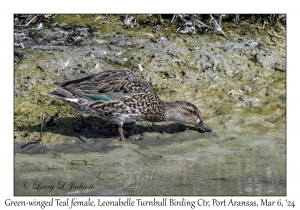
{"type": "Point", "coordinates": [127, 21]}
{"type": "Point", "coordinates": [188, 27]}
{"type": "Point", "coordinates": [217, 26]}
{"type": "Point", "coordinates": [182, 23]}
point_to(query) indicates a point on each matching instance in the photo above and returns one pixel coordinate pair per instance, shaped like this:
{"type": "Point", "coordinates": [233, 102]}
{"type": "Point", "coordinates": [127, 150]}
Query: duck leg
{"type": "Point", "coordinates": [120, 129]}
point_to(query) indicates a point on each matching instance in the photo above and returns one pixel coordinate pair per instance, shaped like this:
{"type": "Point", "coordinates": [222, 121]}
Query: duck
{"type": "Point", "coordinates": [122, 96]}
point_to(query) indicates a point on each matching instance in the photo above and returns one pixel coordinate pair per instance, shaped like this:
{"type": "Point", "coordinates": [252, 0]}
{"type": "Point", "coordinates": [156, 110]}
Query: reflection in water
{"type": "Point", "coordinates": [242, 172]}
{"type": "Point", "coordinates": [139, 182]}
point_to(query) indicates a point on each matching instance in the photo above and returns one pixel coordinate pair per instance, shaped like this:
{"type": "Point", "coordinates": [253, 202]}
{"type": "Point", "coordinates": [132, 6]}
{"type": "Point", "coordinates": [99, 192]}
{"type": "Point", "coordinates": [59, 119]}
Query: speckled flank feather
{"type": "Point", "coordinates": [121, 96]}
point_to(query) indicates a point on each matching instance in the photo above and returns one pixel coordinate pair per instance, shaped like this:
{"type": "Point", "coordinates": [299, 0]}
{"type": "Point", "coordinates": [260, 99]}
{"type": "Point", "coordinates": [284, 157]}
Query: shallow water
{"type": "Point", "coordinates": [238, 87]}
{"type": "Point", "coordinates": [188, 166]}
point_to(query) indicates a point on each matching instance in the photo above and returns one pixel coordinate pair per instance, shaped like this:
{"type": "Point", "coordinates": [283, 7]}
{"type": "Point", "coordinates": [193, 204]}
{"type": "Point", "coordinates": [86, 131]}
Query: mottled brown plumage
{"type": "Point", "coordinates": [121, 96]}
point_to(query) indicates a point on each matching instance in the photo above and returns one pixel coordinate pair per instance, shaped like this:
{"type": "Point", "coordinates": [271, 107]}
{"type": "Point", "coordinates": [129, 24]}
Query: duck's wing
{"type": "Point", "coordinates": [108, 86]}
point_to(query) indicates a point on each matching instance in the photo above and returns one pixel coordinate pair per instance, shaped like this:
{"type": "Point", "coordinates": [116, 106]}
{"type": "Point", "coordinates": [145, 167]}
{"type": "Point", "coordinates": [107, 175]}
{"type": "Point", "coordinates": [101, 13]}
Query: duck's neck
{"type": "Point", "coordinates": [171, 111]}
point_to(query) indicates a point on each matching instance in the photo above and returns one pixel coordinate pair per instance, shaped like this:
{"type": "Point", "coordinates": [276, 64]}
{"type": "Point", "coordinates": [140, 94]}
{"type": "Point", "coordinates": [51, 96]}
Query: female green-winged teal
{"type": "Point", "coordinates": [121, 96]}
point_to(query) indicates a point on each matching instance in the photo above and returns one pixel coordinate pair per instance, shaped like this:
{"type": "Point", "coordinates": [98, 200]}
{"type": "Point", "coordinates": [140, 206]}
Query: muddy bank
{"type": "Point", "coordinates": [237, 83]}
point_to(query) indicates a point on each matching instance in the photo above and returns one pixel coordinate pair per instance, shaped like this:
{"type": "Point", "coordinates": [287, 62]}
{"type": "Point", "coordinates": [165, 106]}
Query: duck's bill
{"type": "Point", "coordinates": [203, 127]}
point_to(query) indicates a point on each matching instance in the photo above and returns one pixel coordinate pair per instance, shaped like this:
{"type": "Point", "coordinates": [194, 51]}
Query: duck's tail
{"type": "Point", "coordinates": [63, 94]}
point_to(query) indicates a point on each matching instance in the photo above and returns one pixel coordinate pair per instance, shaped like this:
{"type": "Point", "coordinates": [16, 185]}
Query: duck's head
{"type": "Point", "coordinates": [184, 112]}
